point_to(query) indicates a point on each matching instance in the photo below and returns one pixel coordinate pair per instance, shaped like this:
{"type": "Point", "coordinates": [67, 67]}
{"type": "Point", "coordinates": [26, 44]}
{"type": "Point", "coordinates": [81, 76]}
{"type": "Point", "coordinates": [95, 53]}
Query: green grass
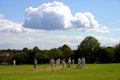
{"type": "Point", "coordinates": [92, 72]}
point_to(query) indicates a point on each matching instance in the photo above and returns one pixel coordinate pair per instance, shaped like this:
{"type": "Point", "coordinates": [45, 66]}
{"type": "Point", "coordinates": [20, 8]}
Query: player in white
{"type": "Point", "coordinates": [79, 63]}
{"type": "Point", "coordinates": [52, 62]}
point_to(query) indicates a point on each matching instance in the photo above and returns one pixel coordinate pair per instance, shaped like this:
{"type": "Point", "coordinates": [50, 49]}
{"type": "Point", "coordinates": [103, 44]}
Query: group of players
{"type": "Point", "coordinates": [81, 64]}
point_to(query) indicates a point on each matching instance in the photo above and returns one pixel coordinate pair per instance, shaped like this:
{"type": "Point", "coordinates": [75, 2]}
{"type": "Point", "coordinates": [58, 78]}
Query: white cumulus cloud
{"type": "Point", "coordinates": [9, 26]}
{"type": "Point", "coordinates": [49, 16]}
{"type": "Point", "coordinates": [55, 15]}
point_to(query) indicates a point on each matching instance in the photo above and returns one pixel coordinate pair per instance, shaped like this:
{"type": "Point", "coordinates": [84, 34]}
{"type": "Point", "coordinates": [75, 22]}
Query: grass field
{"type": "Point", "coordinates": [92, 72]}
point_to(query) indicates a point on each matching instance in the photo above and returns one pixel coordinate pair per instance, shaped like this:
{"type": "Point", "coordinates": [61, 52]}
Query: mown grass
{"type": "Point", "coordinates": [92, 72]}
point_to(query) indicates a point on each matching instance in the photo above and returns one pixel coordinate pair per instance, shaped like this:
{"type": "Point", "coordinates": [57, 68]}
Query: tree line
{"type": "Point", "coordinates": [89, 48]}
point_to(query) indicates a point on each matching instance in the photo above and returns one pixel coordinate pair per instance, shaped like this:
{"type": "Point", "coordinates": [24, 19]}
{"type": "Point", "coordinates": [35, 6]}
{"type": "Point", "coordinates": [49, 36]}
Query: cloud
{"type": "Point", "coordinates": [48, 39]}
{"type": "Point", "coordinates": [49, 16]}
{"type": "Point", "coordinates": [9, 26]}
{"type": "Point", "coordinates": [14, 41]}
{"type": "Point", "coordinates": [84, 20]}
{"type": "Point", "coordinates": [55, 15]}
{"type": "Point", "coordinates": [108, 41]}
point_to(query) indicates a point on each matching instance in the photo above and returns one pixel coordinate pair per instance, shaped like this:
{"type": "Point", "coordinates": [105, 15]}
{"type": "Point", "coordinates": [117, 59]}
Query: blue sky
{"type": "Point", "coordinates": [24, 23]}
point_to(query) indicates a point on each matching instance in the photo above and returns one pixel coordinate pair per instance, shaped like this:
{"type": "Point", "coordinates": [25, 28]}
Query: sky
{"type": "Point", "coordinates": [50, 24]}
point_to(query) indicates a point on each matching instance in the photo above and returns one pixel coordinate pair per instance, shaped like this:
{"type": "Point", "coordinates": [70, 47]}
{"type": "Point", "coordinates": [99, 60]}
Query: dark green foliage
{"type": "Point", "coordinates": [42, 56]}
{"type": "Point", "coordinates": [67, 51]}
{"type": "Point", "coordinates": [55, 53]}
{"type": "Point", "coordinates": [117, 53]}
{"type": "Point", "coordinates": [89, 48]}
{"type": "Point", "coordinates": [107, 55]}
{"type": "Point", "coordinates": [21, 57]}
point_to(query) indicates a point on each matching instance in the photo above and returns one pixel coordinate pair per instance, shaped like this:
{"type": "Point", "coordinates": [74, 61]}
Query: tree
{"type": "Point", "coordinates": [107, 55]}
{"type": "Point", "coordinates": [35, 51]}
{"type": "Point", "coordinates": [21, 57]}
{"type": "Point", "coordinates": [88, 48]}
{"type": "Point", "coordinates": [26, 50]}
{"type": "Point", "coordinates": [42, 56]}
{"type": "Point", "coordinates": [55, 53]}
{"type": "Point", "coordinates": [31, 56]}
{"type": "Point", "coordinates": [110, 54]}
{"type": "Point", "coordinates": [67, 52]}
{"type": "Point", "coordinates": [117, 53]}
